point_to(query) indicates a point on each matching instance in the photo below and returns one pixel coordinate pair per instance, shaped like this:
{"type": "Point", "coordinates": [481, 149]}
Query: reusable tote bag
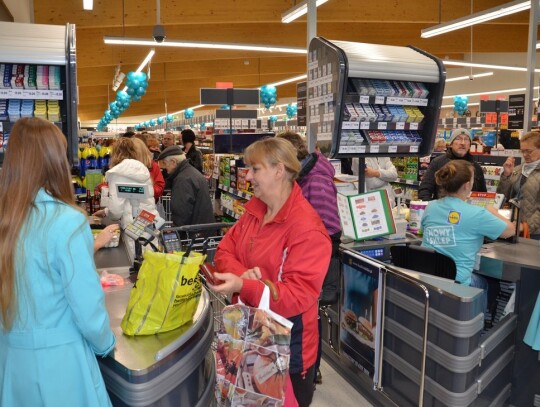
{"type": "Point", "coordinates": [165, 295]}
{"type": "Point", "coordinates": [252, 356]}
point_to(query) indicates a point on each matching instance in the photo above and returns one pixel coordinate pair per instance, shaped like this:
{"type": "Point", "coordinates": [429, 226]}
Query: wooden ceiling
{"type": "Point", "coordinates": [177, 74]}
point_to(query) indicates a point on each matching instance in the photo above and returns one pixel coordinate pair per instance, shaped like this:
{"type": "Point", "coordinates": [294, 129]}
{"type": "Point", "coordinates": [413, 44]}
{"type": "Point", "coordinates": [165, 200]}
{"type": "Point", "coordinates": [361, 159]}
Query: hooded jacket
{"type": "Point", "coordinates": [428, 189]}
{"type": "Point", "coordinates": [128, 171]}
{"type": "Point", "coordinates": [317, 182]}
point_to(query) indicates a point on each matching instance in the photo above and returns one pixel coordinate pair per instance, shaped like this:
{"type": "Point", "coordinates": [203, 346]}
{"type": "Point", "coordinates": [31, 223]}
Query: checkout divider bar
{"type": "Point", "coordinates": [397, 274]}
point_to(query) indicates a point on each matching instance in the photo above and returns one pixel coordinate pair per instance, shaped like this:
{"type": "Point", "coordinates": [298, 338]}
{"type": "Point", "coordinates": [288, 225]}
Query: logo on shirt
{"type": "Point", "coordinates": [454, 217]}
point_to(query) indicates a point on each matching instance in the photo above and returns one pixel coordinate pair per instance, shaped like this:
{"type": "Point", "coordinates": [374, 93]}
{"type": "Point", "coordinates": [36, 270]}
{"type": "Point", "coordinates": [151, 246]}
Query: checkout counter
{"type": "Point", "coordinates": [429, 346]}
{"type": "Point", "coordinates": [172, 368]}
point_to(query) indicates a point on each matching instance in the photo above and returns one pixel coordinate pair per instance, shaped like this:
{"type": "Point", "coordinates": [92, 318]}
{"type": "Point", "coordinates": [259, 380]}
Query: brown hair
{"type": "Point", "coordinates": [35, 158]}
{"type": "Point", "coordinates": [125, 148]}
{"type": "Point", "coordinates": [454, 174]}
{"type": "Point", "coordinates": [298, 142]}
{"type": "Point", "coordinates": [272, 151]}
{"type": "Point", "coordinates": [143, 152]}
{"type": "Point", "coordinates": [532, 136]}
{"type": "Point", "coordinates": [152, 142]}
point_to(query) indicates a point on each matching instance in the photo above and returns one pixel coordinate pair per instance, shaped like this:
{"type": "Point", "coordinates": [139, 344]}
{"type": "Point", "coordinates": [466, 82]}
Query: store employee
{"type": "Point", "coordinates": [456, 228]}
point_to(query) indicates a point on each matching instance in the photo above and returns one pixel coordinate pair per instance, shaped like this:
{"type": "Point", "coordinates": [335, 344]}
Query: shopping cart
{"type": "Point", "coordinates": [164, 207]}
{"type": "Point", "coordinates": [202, 238]}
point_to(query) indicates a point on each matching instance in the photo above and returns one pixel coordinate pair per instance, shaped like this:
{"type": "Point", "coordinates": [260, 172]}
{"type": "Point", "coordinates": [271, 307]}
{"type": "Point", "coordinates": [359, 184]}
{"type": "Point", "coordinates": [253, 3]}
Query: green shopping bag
{"type": "Point", "coordinates": [165, 295]}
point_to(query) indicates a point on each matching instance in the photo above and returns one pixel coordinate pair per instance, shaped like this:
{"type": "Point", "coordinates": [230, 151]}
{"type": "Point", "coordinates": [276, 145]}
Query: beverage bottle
{"type": "Point", "coordinates": [89, 202]}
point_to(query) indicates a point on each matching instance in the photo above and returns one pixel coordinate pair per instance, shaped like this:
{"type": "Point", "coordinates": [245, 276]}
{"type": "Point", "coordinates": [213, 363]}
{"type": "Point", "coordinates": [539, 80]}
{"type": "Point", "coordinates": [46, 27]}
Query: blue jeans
{"type": "Point", "coordinates": [480, 282]}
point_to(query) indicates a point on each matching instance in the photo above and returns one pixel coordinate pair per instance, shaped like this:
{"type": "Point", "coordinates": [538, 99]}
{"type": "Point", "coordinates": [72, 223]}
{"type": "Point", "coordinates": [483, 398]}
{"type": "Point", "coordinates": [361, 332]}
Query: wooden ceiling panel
{"type": "Point", "coordinates": [177, 74]}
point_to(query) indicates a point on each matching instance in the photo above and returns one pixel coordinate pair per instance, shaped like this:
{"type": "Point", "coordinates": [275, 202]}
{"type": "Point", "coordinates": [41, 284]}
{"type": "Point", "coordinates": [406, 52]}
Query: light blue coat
{"type": "Point", "coordinates": [48, 357]}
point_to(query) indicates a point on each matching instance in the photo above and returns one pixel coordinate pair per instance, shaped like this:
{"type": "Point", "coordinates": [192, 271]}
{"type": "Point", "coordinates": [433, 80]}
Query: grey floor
{"type": "Point", "coordinates": [336, 391]}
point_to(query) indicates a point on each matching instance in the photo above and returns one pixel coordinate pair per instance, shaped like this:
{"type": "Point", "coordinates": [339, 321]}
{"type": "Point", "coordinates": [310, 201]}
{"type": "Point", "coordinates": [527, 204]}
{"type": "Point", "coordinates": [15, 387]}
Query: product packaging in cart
{"type": "Point", "coordinates": [252, 356]}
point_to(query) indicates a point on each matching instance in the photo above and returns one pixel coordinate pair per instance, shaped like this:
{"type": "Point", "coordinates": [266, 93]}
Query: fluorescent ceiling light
{"type": "Point", "coordinates": [143, 63]}
{"type": "Point", "coordinates": [195, 44]}
{"type": "Point", "coordinates": [468, 104]}
{"type": "Point", "coordinates": [476, 18]}
{"type": "Point", "coordinates": [88, 4]}
{"type": "Point", "coordinates": [470, 77]}
{"type": "Point", "coordinates": [183, 110]}
{"type": "Point", "coordinates": [298, 11]}
{"type": "Point", "coordinates": [486, 66]}
{"type": "Point", "coordinates": [284, 81]}
{"type": "Point", "coordinates": [491, 92]}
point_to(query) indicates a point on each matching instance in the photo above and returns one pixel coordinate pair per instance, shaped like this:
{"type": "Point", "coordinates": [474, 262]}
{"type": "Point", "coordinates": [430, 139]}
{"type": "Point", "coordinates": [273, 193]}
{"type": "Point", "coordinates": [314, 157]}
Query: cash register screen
{"type": "Point", "coordinates": [485, 199]}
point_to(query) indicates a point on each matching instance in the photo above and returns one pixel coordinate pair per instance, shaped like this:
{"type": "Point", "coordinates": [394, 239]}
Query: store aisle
{"type": "Point", "coordinates": [336, 391]}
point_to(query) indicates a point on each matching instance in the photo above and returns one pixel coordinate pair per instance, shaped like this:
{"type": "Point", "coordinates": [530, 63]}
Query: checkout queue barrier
{"type": "Point", "coordinates": [460, 364]}
{"type": "Point", "coordinates": [171, 368]}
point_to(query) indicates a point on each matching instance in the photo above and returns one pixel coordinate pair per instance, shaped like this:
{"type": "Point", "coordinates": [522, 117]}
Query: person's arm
{"type": "Point", "coordinates": [115, 208]}
{"type": "Point", "coordinates": [159, 181]}
{"type": "Point", "coordinates": [302, 275]}
{"type": "Point", "coordinates": [387, 170]}
{"type": "Point", "coordinates": [225, 257]}
{"type": "Point", "coordinates": [105, 236]}
{"type": "Point", "coordinates": [505, 183]}
{"type": "Point", "coordinates": [479, 179]}
{"type": "Point", "coordinates": [510, 229]}
{"type": "Point", "coordinates": [183, 198]}
{"type": "Point", "coordinates": [75, 264]}
{"type": "Point", "coordinates": [427, 187]}
{"type": "Point", "coordinates": [198, 161]}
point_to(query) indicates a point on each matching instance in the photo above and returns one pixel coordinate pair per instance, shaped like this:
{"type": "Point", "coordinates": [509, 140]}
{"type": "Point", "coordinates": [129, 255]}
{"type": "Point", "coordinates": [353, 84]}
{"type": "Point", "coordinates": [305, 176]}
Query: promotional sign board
{"type": "Point", "coordinates": [360, 317]}
{"type": "Point", "coordinates": [516, 111]}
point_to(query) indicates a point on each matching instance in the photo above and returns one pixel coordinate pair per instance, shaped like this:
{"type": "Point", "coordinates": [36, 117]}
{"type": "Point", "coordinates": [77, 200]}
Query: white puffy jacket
{"type": "Point", "coordinates": [128, 171]}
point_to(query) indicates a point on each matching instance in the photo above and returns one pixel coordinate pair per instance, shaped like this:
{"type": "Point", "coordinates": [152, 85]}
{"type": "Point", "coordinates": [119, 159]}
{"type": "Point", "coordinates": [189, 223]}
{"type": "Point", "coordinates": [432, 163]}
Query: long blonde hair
{"type": "Point", "coordinates": [35, 158]}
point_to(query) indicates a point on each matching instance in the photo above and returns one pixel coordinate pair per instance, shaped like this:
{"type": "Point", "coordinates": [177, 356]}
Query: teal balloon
{"type": "Point", "coordinates": [169, 118]}
{"type": "Point", "coordinates": [160, 120]}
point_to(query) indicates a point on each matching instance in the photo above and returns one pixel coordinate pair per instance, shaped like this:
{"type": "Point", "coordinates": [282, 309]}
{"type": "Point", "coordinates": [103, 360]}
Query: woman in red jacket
{"type": "Point", "coordinates": [281, 238]}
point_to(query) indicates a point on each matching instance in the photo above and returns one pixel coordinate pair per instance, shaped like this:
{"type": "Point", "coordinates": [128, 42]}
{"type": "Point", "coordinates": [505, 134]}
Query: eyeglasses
{"type": "Point", "coordinates": [528, 152]}
{"type": "Point", "coordinates": [463, 139]}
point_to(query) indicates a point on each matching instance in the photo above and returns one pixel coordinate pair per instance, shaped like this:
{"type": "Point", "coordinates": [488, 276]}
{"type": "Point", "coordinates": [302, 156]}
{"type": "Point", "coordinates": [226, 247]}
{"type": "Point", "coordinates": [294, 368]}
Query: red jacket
{"type": "Point", "coordinates": [159, 181]}
{"type": "Point", "coordinates": [293, 251]}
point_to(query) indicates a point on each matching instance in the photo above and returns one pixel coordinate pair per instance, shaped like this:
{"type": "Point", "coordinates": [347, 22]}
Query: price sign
{"type": "Point", "coordinates": [413, 126]}
{"type": "Point", "coordinates": [364, 99]}
{"type": "Point", "coordinates": [381, 125]}
{"type": "Point", "coordinates": [400, 126]}
{"type": "Point", "coordinates": [413, 149]}
{"type": "Point", "coordinates": [379, 100]}
{"type": "Point", "coordinates": [392, 149]}
{"type": "Point", "coordinates": [374, 148]}
{"type": "Point", "coordinates": [364, 125]}
{"type": "Point", "coordinates": [4, 93]}
{"type": "Point", "coordinates": [362, 149]}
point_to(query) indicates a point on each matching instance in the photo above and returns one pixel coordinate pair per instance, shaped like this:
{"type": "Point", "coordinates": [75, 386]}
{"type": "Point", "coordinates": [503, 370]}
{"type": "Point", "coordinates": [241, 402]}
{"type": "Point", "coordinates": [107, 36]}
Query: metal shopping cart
{"type": "Point", "coordinates": [164, 207]}
{"type": "Point", "coordinates": [205, 239]}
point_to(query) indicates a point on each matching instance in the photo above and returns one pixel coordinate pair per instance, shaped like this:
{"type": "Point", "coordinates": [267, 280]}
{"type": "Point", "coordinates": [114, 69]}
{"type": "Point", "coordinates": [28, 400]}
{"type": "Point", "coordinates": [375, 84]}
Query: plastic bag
{"type": "Point", "coordinates": [252, 357]}
{"type": "Point", "coordinates": [165, 295]}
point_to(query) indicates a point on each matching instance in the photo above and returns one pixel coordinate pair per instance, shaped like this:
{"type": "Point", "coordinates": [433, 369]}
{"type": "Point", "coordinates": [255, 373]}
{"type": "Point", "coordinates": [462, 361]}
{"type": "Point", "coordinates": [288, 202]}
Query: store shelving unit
{"type": "Point", "coordinates": [49, 45]}
{"type": "Point", "coordinates": [336, 68]}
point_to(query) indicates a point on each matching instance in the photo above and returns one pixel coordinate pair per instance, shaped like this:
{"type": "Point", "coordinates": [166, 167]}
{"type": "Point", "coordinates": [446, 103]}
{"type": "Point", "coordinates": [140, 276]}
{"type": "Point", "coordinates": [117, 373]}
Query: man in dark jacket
{"type": "Point", "coordinates": [193, 155]}
{"type": "Point", "coordinates": [460, 143]}
{"type": "Point", "coordinates": [190, 197]}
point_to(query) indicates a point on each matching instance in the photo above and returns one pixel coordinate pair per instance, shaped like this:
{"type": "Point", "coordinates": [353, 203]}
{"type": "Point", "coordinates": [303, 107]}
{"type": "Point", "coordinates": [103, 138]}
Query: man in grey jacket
{"type": "Point", "coordinates": [460, 143]}
{"type": "Point", "coordinates": [190, 196]}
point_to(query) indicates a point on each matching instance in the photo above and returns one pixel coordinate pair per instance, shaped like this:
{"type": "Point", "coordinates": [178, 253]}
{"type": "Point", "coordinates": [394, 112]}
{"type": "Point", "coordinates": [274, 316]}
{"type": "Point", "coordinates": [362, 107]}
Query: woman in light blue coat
{"type": "Point", "coordinates": [53, 320]}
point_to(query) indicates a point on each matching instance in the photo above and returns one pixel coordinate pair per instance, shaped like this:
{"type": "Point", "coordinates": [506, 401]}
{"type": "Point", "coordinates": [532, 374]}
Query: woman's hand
{"type": "Point", "coordinates": [252, 274]}
{"type": "Point", "coordinates": [231, 283]}
{"type": "Point", "coordinates": [100, 214]}
{"type": "Point", "coordinates": [372, 172]}
{"type": "Point", "coordinates": [508, 166]}
{"type": "Point", "coordinates": [105, 236]}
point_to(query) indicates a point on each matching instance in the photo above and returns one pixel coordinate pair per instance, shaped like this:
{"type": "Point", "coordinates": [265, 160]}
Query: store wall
{"type": "Point", "coordinates": [22, 11]}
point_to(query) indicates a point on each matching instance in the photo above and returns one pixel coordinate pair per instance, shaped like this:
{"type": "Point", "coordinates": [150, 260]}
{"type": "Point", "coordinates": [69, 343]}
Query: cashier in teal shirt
{"type": "Point", "coordinates": [453, 227]}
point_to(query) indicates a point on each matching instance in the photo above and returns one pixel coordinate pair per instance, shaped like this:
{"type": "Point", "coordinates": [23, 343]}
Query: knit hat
{"type": "Point", "coordinates": [459, 132]}
{"type": "Point", "coordinates": [171, 150]}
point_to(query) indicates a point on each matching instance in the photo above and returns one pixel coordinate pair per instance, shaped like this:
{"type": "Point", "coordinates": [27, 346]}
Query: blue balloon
{"type": "Point", "coordinates": [140, 91]}
{"type": "Point", "coordinates": [160, 120]}
{"type": "Point", "coordinates": [136, 98]}
{"type": "Point", "coordinates": [169, 118]}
